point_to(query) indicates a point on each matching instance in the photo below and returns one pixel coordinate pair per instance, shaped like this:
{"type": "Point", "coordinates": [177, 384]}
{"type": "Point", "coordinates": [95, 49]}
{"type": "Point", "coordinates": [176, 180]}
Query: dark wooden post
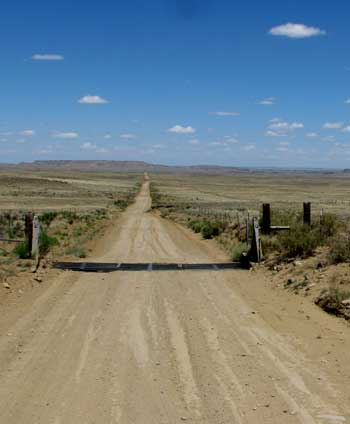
{"type": "Point", "coordinates": [266, 219]}
{"type": "Point", "coordinates": [307, 213]}
{"type": "Point", "coordinates": [28, 230]}
{"type": "Point", "coordinates": [255, 251]}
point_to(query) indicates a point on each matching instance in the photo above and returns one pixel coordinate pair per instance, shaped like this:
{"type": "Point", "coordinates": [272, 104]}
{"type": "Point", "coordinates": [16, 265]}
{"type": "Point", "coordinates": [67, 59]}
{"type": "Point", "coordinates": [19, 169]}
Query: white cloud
{"type": "Point", "coordinates": [128, 136]}
{"type": "Point", "coordinates": [158, 146]}
{"type": "Point", "coordinates": [267, 102]}
{"type": "Point", "coordinates": [284, 144]}
{"type": "Point", "coordinates": [249, 147]}
{"type": "Point", "coordinates": [333, 125]}
{"type": "Point", "coordinates": [47, 57]}
{"type": "Point", "coordinates": [179, 129]}
{"type": "Point", "coordinates": [224, 113]}
{"type": "Point", "coordinates": [88, 146]}
{"type": "Point", "coordinates": [92, 100]}
{"type": "Point", "coordinates": [194, 141]}
{"type": "Point", "coordinates": [291, 30]}
{"type": "Point", "coordinates": [346, 129]}
{"type": "Point", "coordinates": [66, 135]}
{"type": "Point", "coordinates": [270, 133]}
{"type": "Point", "coordinates": [347, 102]}
{"type": "Point", "coordinates": [27, 132]}
{"type": "Point", "coordinates": [101, 150]}
{"type": "Point", "coordinates": [312, 135]}
{"type": "Point", "coordinates": [232, 140]}
{"type": "Point", "coordinates": [107, 136]}
{"type": "Point", "coordinates": [285, 126]}
{"type": "Point", "coordinates": [330, 138]}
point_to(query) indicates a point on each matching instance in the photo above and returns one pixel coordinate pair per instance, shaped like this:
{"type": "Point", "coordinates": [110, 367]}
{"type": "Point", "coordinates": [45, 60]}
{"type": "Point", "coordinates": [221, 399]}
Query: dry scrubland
{"type": "Point", "coordinates": [73, 210]}
{"type": "Point", "coordinates": [312, 261]}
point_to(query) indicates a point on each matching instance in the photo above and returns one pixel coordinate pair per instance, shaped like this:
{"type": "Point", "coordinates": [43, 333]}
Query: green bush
{"type": "Point", "coordinates": [77, 232]}
{"type": "Point", "coordinates": [69, 216]}
{"type": "Point", "coordinates": [46, 243]}
{"type": "Point", "coordinates": [47, 217]}
{"type": "Point", "coordinates": [196, 226]}
{"type": "Point", "coordinates": [77, 251]}
{"type": "Point", "coordinates": [22, 250]}
{"type": "Point", "coordinates": [237, 251]}
{"type": "Point", "coordinates": [300, 241]}
{"type": "Point", "coordinates": [211, 229]}
{"type": "Point", "coordinates": [121, 203]}
{"type": "Point", "coordinates": [340, 249]}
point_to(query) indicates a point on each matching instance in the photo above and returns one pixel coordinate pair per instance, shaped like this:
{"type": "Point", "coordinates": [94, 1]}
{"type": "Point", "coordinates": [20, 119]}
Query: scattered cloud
{"type": "Point", "coordinates": [52, 57]}
{"type": "Point", "coordinates": [270, 133]}
{"type": "Point", "coordinates": [107, 136]}
{"type": "Point", "coordinates": [311, 135]}
{"type": "Point", "coordinates": [179, 129]}
{"type": "Point", "coordinates": [269, 101]}
{"type": "Point", "coordinates": [284, 144]}
{"type": "Point", "coordinates": [346, 129]}
{"type": "Point", "coordinates": [221, 113]}
{"type": "Point", "coordinates": [330, 138]}
{"type": "Point", "coordinates": [292, 30]}
{"type": "Point", "coordinates": [92, 100]}
{"type": "Point", "coordinates": [88, 146]}
{"type": "Point", "coordinates": [66, 135]}
{"type": "Point", "coordinates": [27, 132]}
{"type": "Point", "coordinates": [249, 147]}
{"type": "Point", "coordinates": [194, 141]}
{"type": "Point", "coordinates": [285, 126]}
{"type": "Point", "coordinates": [280, 128]}
{"type": "Point", "coordinates": [128, 136]}
{"type": "Point", "coordinates": [347, 102]}
{"type": "Point", "coordinates": [333, 125]}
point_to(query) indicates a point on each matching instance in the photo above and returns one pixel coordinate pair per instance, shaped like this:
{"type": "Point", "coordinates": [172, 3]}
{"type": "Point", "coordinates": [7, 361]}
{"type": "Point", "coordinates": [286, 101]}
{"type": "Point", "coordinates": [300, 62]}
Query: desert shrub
{"type": "Point", "coordinates": [77, 232]}
{"type": "Point", "coordinates": [22, 251]}
{"type": "Point", "coordinates": [196, 226]}
{"type": "Point", "coordinates": [69, 216]}
{"type": "Point", "coordinates": [300, 241]}
{"type": "Point", "coordinates": [329, 226]}
{"type": "Point", "coordinates": [237, 250]}
{"type": "Point", "coordinates": [340, 248]}
{"type": "Point", "coordinates": [211, 229]}
{"type": "Point", "coordinates": [208, 229]}
{"type": "Point", "coordinates": [47, 217]}
{"type": "Point", "coordinates": [270, 244]}
{"type": "Point", "coordinates": [46, 243]}
{"type": "Point", "coordinates": [121, 204]}
{"type": "Point", "coordinates": [78, 251]}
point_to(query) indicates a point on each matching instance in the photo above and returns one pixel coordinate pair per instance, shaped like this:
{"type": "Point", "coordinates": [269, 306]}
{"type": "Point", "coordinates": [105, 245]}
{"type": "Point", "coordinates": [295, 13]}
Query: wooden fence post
{"type": "Point", "coordinates": [36, 236]}
{"type": "Point", "coordinates": [28, 230]}
{"type": "Point", "coordinates": [307, 213]}
{"type": "Point", "coordinates": [266, 219]}
{"type": "Point", "coordinates": [255, 251]}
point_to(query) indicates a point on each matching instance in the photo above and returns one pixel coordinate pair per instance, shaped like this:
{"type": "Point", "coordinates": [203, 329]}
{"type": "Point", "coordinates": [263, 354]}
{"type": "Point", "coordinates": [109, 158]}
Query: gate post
{"type": "Point", "coordinates": [266, 219]}
{"type": "Point", "coordinates": [307, 213]}
{"type": "Point", "coordinates": [255, 251]}
{"type": "Point", "coordinates": [28, 230]}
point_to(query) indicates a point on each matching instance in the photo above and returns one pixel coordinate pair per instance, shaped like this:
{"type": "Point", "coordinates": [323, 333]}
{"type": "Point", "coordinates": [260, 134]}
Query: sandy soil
{"type": "Point", "coordinates": [170, 347]}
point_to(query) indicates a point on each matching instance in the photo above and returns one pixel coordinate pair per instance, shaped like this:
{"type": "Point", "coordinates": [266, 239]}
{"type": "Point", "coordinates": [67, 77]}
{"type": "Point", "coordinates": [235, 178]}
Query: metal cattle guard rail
{"type": "Point", "coordinates": [111, 267]}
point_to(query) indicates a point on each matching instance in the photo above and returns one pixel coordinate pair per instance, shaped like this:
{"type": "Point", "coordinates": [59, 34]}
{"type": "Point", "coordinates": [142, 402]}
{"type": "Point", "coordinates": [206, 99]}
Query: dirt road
{"type": "Point", "coordinates": [170, 347]}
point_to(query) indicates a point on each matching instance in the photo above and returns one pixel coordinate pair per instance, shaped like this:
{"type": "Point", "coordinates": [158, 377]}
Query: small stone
{"type": "Point", "coordinates": [183, 418]}
{"type": "Point", "coordinates": [346, 302]}
{"type": "Point", "coordinates": [6, 285]}
{"type": "Point", "coordinates": [38, 279]}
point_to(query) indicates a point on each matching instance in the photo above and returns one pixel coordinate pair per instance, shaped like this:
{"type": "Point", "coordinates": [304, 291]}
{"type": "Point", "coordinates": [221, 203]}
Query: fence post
{"type": "Point", "coordinates": [35, 238]}
{"type": "Point", "coordinates": [28, 230]}
{"type": "Point", "coordinates": [266, 219]}
{"type": "Point", "coordinates": [307, 213]}
{"type": "Point", "coordinates": [255, 251]}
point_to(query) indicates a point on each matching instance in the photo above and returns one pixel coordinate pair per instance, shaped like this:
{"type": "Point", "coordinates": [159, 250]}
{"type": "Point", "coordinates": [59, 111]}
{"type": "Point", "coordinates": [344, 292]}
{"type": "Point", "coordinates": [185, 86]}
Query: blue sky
{"type": "Point", "coordinates": [222, 82]}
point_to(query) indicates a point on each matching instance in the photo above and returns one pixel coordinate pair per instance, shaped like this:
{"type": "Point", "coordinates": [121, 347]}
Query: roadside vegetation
{"type": "Point", "coordinates": [310, 260]}
{"type": "Point", "coordinates": [65, 234]}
